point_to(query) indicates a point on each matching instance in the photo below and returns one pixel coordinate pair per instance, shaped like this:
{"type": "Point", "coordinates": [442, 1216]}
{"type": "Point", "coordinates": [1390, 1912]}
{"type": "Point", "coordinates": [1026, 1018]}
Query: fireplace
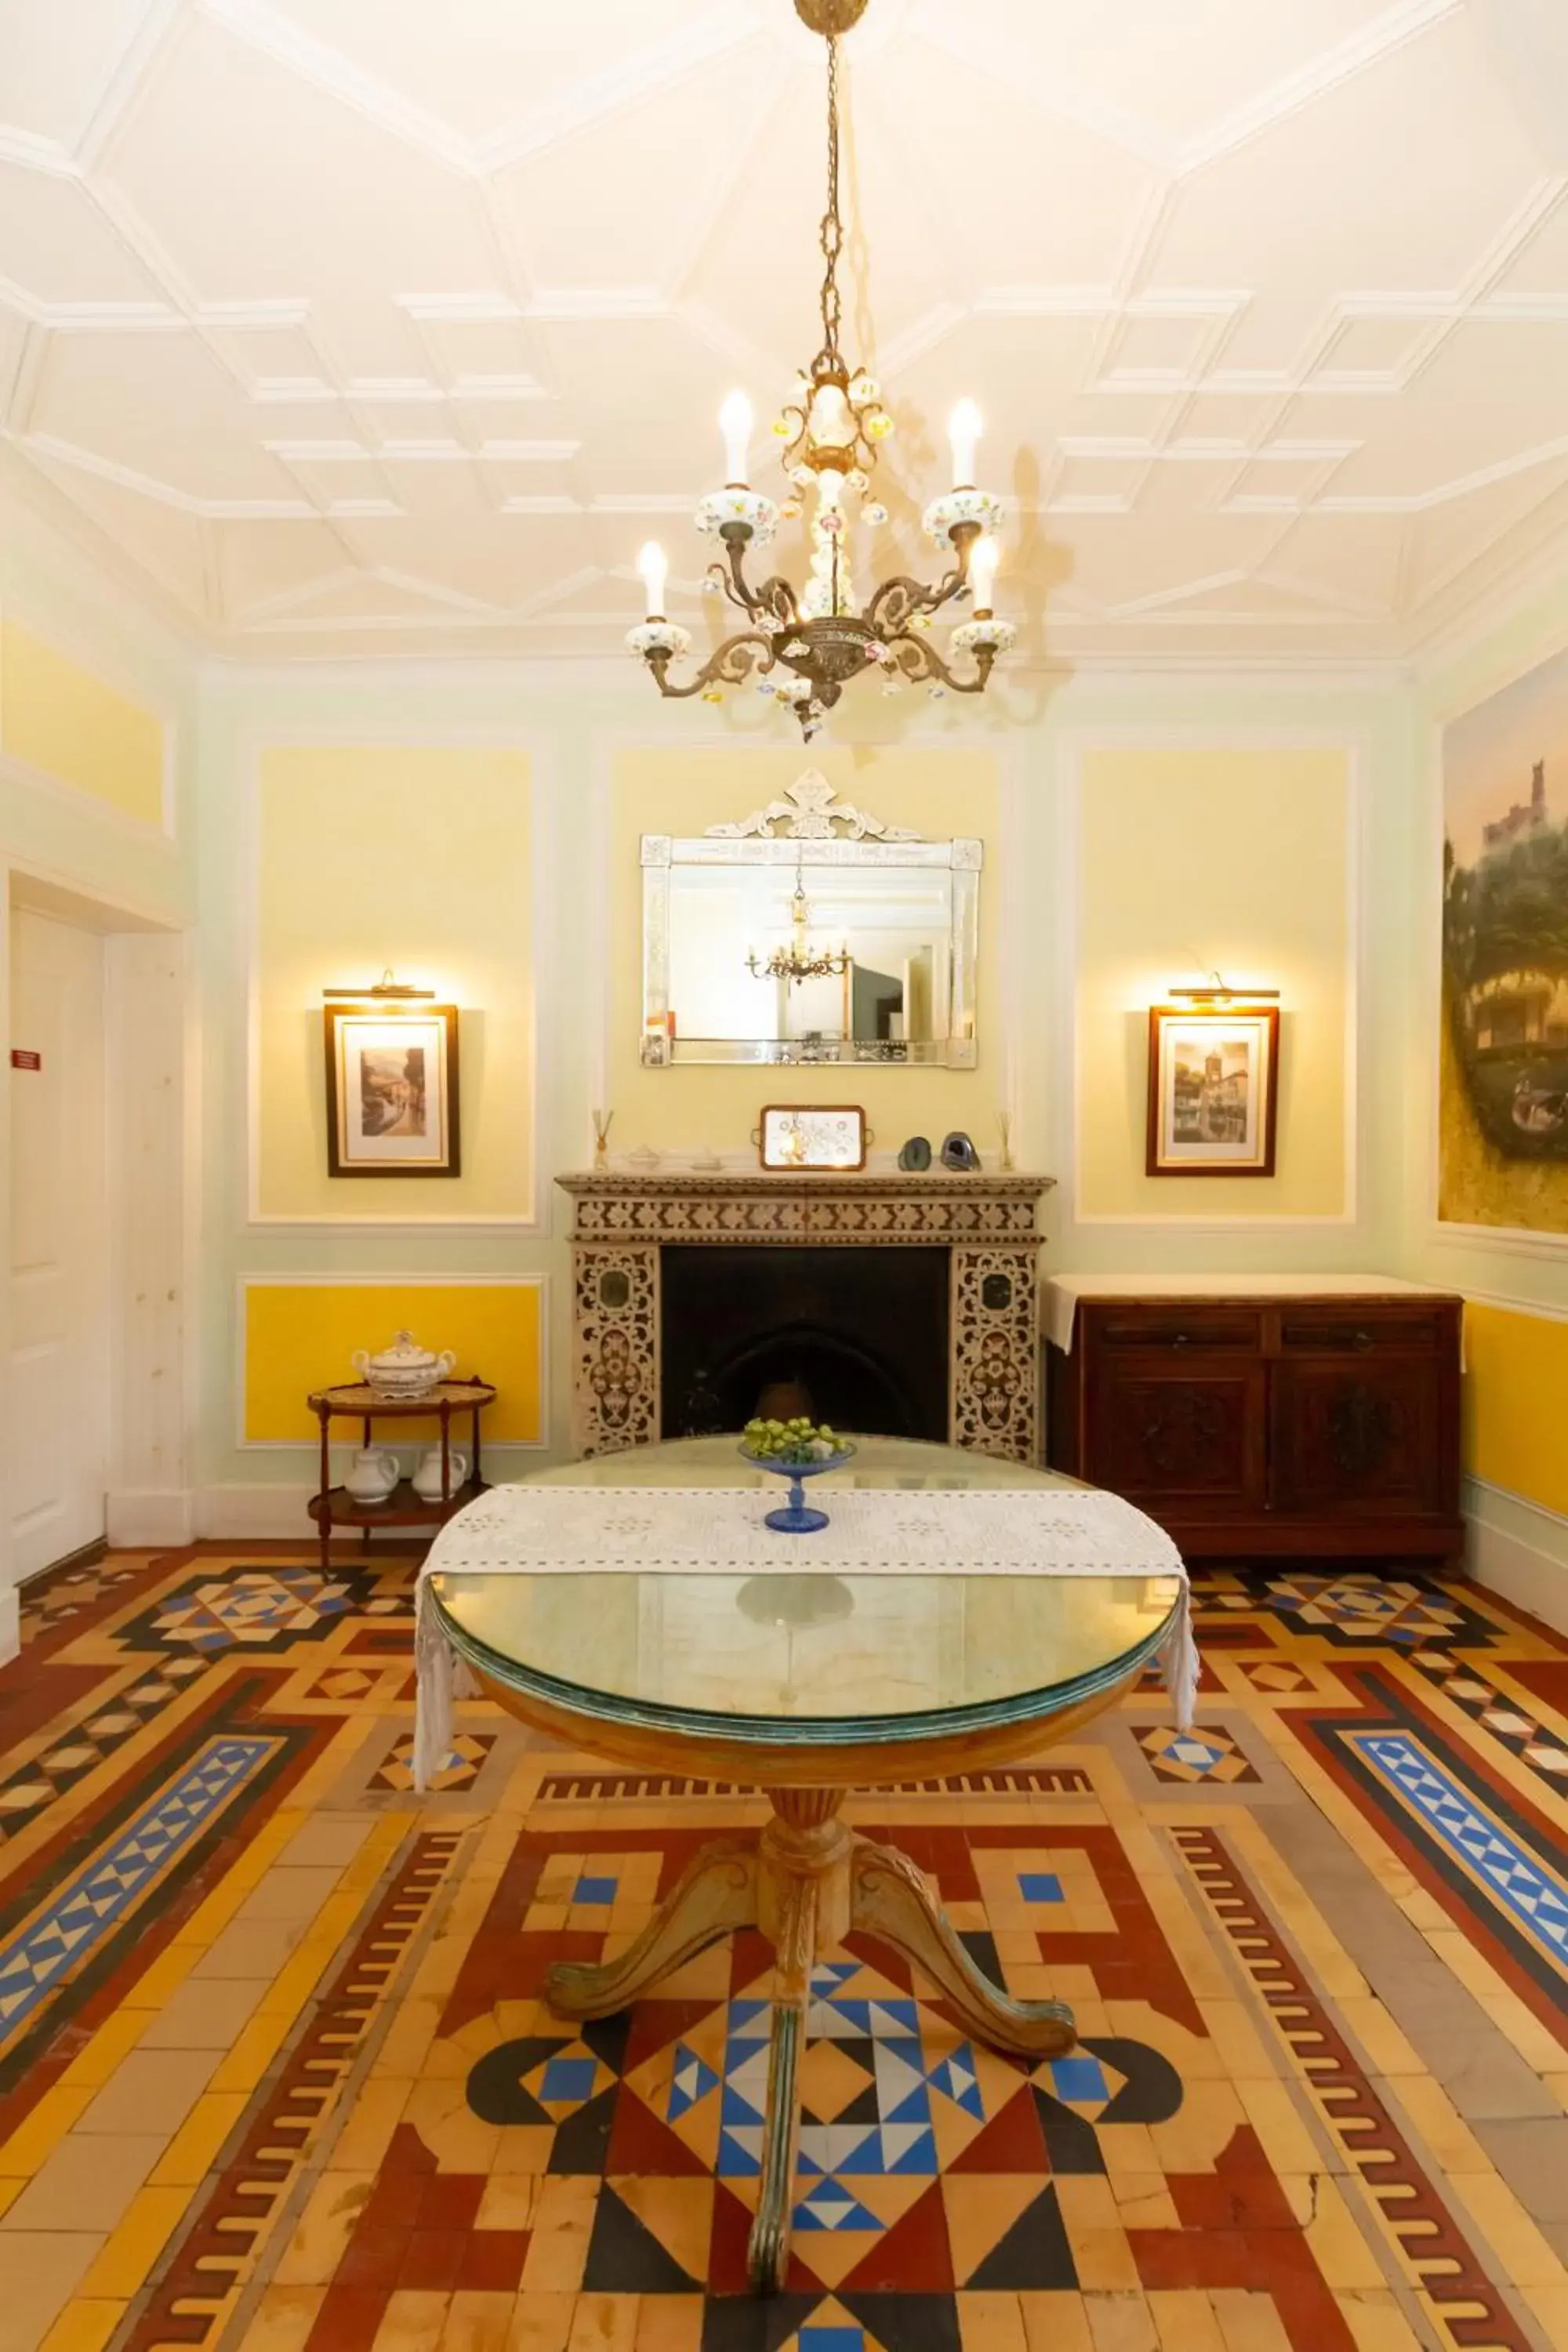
{"type": "Point", "coordinates": [671, 1281]}
{"type": "Point", "coordinates": [855, 1337]}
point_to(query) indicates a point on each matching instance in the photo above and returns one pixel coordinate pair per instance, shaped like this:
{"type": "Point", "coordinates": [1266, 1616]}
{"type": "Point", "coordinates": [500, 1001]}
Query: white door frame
{"type": "Point", "coordinates": [148, 1111]}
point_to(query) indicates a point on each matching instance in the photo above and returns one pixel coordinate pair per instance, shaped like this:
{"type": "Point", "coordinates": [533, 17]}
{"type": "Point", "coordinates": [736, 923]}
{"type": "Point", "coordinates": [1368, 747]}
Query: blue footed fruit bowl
{"type": "Point", "coordinates": [795, 1516]}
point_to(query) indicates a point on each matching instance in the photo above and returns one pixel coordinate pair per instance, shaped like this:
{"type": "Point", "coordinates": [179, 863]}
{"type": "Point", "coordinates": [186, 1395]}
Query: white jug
{"type": "Point", "coordinates": [427, 1477]}
{"type": "Point", "coordinates": [372, 1474]}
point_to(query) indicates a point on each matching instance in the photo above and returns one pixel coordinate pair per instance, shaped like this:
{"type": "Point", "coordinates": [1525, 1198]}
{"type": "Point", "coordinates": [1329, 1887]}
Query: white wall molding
{"type": "Point", "coordinates": [1512, 1305]}
{"type": "Point", "coordinates": [10, 1624]}
{"type": "Point", "coordinates": [1518, 1548]}
{"type": "Point", "coordinates": [1512, 1241]}
{"type": "Point", "coordinates": [538, 746]}
{"type": "Point", "coordinates": [146, 1519]}
{"type": "Point", "coordinates": [277, 1510]}
{"type": "Point", "coordinates": [259, 1513]}
{"type": "Point", "coordinates": [1073, 748]}
{"type": "Point", "coordinates": [84, 803]}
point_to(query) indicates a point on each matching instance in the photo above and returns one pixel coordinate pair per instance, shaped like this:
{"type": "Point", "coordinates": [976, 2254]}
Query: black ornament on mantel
{"type": "Point", "coordinates": [915, 1157]}
{"type": "Point", "coordinates": [959, 1154]}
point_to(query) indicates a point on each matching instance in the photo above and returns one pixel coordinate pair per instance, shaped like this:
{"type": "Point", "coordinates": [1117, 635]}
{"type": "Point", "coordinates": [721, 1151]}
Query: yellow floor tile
{"type": "Point", "coordinates": [193, 2152]}
{"type": "Point", "coordinates": [85, 2325]}
{"type": "Point", "coordinates": [413, 2322]}
{"type": "Point", "coordinates": [477, 2322]}
{"type": "Point", "coordinates": [1054, 2322]}
{"type": "Point", "coordinates": [283, 2319]}
{"type": "Point", "coordinates": [990, 2322]}
{"type": "Point", "coordinates": [1184, 2320]}
{"type": "Point", "coordinates": [319, 2238]}
{"type": "Point", "coordinates": [1121, 2323]}
{"type": "Point", "coordinates": [605, 2323]}
{"type": "Point", "coordinates": [559, 2245]}
{"type": "Point", "coordinates": [541, 2320]}
{"type": "Point", "coordinates": [134, 2245]}
{"type": "Point", "coordinates": [669, 2323]}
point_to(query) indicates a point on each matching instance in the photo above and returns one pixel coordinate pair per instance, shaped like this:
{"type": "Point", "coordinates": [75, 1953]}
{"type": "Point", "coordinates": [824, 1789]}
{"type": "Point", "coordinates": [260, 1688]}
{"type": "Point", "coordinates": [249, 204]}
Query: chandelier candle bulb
{"type": "Point", "coordinates": [655, 568]}
{"type": "Point", "coordinates": [735, 424]}
{"type": "Point", "coordinates": [963, 431]}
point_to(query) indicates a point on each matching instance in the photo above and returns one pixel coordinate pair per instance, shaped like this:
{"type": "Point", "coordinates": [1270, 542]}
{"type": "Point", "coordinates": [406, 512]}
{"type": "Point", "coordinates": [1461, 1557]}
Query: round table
{"type": "Point", "coordinates": [805, 1685]}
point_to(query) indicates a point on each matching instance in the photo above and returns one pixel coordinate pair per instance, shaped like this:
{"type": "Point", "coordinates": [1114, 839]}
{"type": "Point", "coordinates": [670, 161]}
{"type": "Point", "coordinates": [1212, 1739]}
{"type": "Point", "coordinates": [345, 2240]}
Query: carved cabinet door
{"type": "Point", "coordinates": [1362, 1436]}
{"type": "Point", "coordinates": [1184, 1437]}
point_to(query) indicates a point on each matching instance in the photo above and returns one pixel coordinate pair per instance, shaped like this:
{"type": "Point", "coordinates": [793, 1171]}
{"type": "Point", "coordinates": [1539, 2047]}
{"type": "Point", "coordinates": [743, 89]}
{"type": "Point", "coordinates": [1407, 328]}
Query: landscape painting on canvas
{"type": "Point", "coordinates": [1503, 1125]}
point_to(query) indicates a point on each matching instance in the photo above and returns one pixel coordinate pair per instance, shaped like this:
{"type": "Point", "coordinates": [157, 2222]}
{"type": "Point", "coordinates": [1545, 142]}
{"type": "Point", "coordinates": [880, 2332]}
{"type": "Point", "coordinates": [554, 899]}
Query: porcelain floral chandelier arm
{"type": "Point", "coordinates": [804, 650]}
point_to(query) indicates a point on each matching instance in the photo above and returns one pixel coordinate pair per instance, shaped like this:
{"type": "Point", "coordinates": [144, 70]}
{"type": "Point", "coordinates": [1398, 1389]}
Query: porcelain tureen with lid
{"type": "Point", "coordinates": [403, 1370]}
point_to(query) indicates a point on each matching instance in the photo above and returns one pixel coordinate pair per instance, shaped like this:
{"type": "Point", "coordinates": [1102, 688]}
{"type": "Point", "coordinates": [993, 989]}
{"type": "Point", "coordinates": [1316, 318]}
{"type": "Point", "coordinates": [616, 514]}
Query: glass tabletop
{"type": "Point", "coordinates": [803, 1653]}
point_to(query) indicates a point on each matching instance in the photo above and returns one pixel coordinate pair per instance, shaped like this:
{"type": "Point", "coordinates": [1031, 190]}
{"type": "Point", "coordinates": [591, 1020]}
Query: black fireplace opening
{"type": "Point", "coordinates": [856, 1338]}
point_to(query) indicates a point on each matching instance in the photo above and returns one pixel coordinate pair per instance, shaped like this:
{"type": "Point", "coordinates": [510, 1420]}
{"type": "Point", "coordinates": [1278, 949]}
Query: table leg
{"type": "Point", "coordinates": [890, 1899]}
{"type": "Point", "coordinates": [804, 1909]}
{"type": "Point", "coordinates": [714, 1896]}
{"type": "Point", "coordinates": [326, 1527]}
{"type": "Point", "coordinates": [805, 1883]}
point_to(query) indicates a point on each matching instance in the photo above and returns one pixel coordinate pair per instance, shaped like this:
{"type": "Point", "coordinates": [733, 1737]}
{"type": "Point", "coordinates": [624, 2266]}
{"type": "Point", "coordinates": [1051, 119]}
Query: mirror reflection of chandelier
{"type": "Point", "coordinates": [800, 960]}
{"type": "Point", "coordinates": [802, 649]}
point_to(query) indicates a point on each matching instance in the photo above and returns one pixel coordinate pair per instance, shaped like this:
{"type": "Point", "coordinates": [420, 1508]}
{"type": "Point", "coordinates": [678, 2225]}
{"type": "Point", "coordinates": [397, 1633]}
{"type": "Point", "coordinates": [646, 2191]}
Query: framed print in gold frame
{"type": "Point", "coordinates": [830, 1137]}
{"type": "Point", "coordinates": [392, 1091]}
{"type": "Point", "coordinates": [1213, 1090]}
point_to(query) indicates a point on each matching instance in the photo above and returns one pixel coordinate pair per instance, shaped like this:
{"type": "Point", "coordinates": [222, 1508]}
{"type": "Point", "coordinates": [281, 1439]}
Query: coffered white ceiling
{"type": "Point", "coordinates": [381, 325]}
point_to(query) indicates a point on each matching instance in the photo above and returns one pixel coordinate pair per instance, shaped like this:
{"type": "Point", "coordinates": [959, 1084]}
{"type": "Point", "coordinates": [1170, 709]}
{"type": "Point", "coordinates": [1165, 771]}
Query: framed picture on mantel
{"type": "Point", "coordinates": [823, 1136]}
{"type": "Point", "coordinates": [392, 1092]}
{"type": "Point", "coordinates": [1213, 1091]}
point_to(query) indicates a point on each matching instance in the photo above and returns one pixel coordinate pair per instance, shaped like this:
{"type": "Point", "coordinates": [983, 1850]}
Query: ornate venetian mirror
{"type": "Point", "coordinates": [809, 932]}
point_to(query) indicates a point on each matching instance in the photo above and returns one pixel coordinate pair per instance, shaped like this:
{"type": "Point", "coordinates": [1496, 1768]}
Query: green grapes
{"type": "Point", "coordinates": [792, 1441]}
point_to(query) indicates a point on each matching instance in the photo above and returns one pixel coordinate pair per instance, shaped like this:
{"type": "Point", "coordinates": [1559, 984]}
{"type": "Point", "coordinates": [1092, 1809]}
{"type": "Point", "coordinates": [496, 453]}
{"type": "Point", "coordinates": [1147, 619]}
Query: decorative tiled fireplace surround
{"type": "Point", "coordinates": [989, 1224]}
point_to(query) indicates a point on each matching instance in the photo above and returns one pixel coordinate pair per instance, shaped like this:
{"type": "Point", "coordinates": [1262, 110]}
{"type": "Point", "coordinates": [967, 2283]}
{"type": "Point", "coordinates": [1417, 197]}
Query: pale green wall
{"type": "Point", "coordinates": [67, 836]}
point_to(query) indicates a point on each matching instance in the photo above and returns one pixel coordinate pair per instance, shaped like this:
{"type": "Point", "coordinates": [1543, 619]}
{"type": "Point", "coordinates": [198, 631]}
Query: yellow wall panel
{"type": "Point", "coordinates": [1516, 1403]}
{"type": "Point", "coordinates": [1193, 860]}
{"type": "Point", "coordinates": [676, 789]}
{"type": "Point", "coordinates": [416, 857]}
{"type": "Point", "coordinates": [302, 1336]}
{"type": "Point", "coordinates": [60, 719]}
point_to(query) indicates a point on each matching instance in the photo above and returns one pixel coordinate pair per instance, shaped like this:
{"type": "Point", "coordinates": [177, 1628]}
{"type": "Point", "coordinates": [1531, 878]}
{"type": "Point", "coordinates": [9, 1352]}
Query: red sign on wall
{"type": "Point", "coordinates": [23, 1057]}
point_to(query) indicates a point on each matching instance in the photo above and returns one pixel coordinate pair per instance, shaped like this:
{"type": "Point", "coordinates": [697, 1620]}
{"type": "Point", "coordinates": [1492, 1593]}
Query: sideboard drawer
{"type": "Point", "coordinates": [1336, 1331]}
{"type": "Point", "coordinates": [1174, 1326]}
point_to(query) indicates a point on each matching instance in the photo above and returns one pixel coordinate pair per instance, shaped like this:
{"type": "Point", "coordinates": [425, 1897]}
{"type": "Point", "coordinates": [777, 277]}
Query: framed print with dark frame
{"type": "Point", "coordinates": [1213, 1090]}
{"type": "Point", "coordinates": [392, 1091]}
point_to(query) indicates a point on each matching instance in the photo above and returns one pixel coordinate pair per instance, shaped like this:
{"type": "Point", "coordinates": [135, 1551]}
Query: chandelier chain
{"type": "Point", "coordinates": [832, 230]}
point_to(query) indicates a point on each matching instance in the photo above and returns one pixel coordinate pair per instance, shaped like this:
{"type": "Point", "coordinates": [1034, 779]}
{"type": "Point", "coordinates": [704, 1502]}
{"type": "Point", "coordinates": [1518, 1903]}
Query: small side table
{"type": "Point", "coordinates": [335, 1506]}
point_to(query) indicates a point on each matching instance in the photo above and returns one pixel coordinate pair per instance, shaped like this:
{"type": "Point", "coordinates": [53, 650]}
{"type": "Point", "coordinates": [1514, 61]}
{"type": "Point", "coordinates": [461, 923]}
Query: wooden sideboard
{"type": "Point", "coordinates": [1270, 1428]}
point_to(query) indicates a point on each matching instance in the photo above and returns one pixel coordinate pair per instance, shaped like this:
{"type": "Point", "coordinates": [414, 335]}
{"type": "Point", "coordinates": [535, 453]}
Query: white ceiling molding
{"type": "Point", "coordinates": [1273, 354]}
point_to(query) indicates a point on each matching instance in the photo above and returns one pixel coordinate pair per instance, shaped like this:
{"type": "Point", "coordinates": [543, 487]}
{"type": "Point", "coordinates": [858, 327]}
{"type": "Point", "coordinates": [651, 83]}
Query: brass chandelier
{"type": "Point", "coordinates": [831, 425]}
{"type": "Point", "coordinates": [800, 960]}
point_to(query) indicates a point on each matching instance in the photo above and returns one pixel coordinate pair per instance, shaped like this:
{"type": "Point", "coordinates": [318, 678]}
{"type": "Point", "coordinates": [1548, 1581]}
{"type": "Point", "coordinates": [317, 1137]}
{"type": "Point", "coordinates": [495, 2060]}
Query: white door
{"type": "Point", "coordinates": [56, 1417]}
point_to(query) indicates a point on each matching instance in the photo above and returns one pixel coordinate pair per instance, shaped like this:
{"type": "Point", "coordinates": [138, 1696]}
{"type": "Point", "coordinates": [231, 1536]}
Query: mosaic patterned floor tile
{"type": "Point", "coordinates": [275, 2063]}
{"type": "Point", "coordinates": [1209, 1752]}
{"type": "Point", "coordinates": [458, 1769]}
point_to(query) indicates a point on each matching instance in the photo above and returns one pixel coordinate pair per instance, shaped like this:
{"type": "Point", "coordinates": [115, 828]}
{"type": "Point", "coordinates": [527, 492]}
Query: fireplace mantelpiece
{"type": "Point", "coordinates": [989, 1225]}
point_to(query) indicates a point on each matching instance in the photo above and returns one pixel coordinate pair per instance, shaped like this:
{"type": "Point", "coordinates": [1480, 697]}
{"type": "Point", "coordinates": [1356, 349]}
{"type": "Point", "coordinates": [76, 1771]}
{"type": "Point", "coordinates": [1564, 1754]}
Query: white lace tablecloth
{"type": "Point", "coordinates": [537, 1529]}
